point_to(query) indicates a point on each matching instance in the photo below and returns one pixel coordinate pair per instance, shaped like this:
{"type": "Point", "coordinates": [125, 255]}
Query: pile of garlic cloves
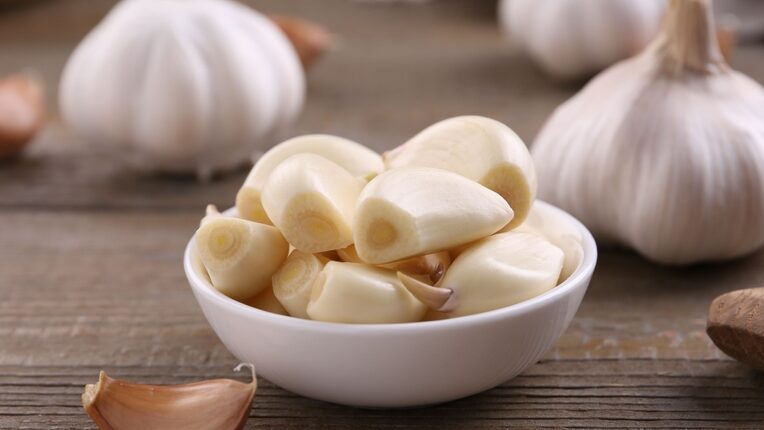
{"type": "Point", "coordinates": [328, 230]}
{"type": "Point", "coordinates": [663, 152]}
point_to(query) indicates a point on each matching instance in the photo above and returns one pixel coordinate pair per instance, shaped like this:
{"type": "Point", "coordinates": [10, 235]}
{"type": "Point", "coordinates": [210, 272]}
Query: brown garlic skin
{"type": "Point", "coordinates": [736, 325]}
{"type": "Point", "coordinates": [22, 112]}
{"type": "Point", "coordinates": [309, 39]}
{"type": "Point", "coordinates": [217, 404]}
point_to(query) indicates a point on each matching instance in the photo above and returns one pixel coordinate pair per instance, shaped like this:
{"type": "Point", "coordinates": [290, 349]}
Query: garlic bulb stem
{"type": "Point", "coordinates": [688, 38]}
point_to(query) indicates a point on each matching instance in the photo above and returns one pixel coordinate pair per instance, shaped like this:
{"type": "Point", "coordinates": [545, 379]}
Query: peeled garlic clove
{"type": "Point", "coordinates": [362, 294]}
{"type": "Point", "coordinates": [416, 210]}
{"type": "Point", "coordinates": [478, 148]}
{"type": "Point", "coordinates": [215, 404]}
{"type": "Point", "coordinates": [240, 256]}
{"type": "Point", "coordinates": [266, 300]}
{"type": "Point", "coordinates": [663, 152]}
{"type": "Point", "coordinates": [309, 39]}
{"type": "Point", "coordinates": [22, 112]}
{"type": "Point", "coordinates": [293, 282]}
{"type": "Point", "coordinates": [312, 201]}
{"type": "Point", "coordinates": [499, 271]}
{"type": "Point", "coordinates": [357, 159]}
{"type": "Point", "coordinates": [558, 230]}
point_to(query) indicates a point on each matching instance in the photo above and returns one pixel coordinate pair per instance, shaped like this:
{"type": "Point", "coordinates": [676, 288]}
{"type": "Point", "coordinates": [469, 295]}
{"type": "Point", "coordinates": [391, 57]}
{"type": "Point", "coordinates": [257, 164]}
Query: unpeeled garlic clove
{"type": "Point", "coordinates": [357, 159]}
{"type": "Point", "coordinates": [218, 404]}
{"type": "Point", "coordinates": [240, 256]}
{"type": "Point", "coordinates": [499, 271]}
{"type": "Point", "coordinates": [312, 200]}
{"type": "Point", "coordinates": [362, 294]}
{"type": "Point", "coordinates": [309, 39]}
{"type": "Point", "coordinates": [22, 112]}
{"type": "Point", "coordinates": [478, 148]}
{"type": "Point", "coordinates": [413, 211]}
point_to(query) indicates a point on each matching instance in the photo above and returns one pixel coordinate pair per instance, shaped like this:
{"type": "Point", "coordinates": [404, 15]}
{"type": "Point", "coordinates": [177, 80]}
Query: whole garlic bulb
{"type": "Point", "coordinates": [576, 38]}
{"type": "Point", "coordinates": [663, 152]}
{"type": "Point", "coordinates": [178, 86]}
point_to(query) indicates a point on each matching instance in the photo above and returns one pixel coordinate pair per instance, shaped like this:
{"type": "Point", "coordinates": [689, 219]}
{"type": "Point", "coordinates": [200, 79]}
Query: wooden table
{"type": "Point", "coordinates": [90, 263]}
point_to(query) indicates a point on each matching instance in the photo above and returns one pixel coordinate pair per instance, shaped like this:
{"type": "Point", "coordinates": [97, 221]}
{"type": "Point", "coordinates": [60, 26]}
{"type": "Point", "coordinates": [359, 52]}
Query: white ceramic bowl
{"type": "Point", "coordinates": [395, 365]}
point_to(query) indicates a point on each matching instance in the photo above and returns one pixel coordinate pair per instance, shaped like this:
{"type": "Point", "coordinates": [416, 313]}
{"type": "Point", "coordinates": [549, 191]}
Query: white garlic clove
{"type": "Point", "coordinates": [358, 293]}
{"type": "Point", "coordinates": [499, 271]}
{"type": "Point", "coordinates": [312, 201]}
{"type": "Point", "coordinates": [239, 256]}
{"type": "Point", "coordinates": [410, 211]}
{"type": "Point", "coordinates": [478, 148]}
{"type": "Point", "coordinates": [266, 300]}
{"type": "Point", "coordinates": [558, 230]}
{"type": "Point", "coordinates": [357, 159]}
{"type": "Point", "coordinates": [293, 282]}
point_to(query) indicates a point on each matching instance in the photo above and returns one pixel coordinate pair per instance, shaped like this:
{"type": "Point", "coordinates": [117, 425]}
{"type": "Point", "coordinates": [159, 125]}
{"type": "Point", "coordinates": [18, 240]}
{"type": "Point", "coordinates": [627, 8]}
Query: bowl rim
{"type": "Point", "coordinates": [576, 280]}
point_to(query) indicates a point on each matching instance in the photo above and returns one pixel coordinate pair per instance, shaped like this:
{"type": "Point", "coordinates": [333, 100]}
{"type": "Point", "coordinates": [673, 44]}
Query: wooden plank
{"type": "Point", "coordinates": [552, 393]}
{"type": "Point", "coordinates": [135, 317]}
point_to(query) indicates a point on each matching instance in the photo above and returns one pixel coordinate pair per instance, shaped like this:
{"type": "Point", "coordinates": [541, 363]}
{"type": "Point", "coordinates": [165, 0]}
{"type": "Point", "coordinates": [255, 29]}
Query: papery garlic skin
{"type": "Point", "coordinates": [663, 152]}
{"type": "Point", "coordinates": [362, 294]}
{"type": "Point", "coordinates": [502, 270]}
{"type": "Point", "coordinates": [572, 39]}
{"type": "Point", "coordinates": [216, 404]}
{"type": "Point", "coordinates": [478, 148]}
{"type": "Point", "coordinates": [182, 86]}
{"type": "Point", "coordinates": [357, 159]}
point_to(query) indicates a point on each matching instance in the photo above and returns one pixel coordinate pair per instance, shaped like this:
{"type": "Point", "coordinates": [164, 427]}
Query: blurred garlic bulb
{"type": "Point", "coordinates": [179, 86]}
{"type": "Point", "coordinates": [663, 152]}
{"type": "Point", "coordinates": [572, 39]}
{"type": "Point", "coordinates": [744, 17]}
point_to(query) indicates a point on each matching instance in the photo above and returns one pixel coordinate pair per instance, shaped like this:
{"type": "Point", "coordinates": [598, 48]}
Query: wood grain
{"type": "Point", "coordinates": [90, 262]}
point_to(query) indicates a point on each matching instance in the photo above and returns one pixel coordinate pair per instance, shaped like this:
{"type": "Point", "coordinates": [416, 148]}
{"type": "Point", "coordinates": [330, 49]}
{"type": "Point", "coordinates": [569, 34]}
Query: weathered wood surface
{"type": "Point", "coordinates": [90, 262]}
